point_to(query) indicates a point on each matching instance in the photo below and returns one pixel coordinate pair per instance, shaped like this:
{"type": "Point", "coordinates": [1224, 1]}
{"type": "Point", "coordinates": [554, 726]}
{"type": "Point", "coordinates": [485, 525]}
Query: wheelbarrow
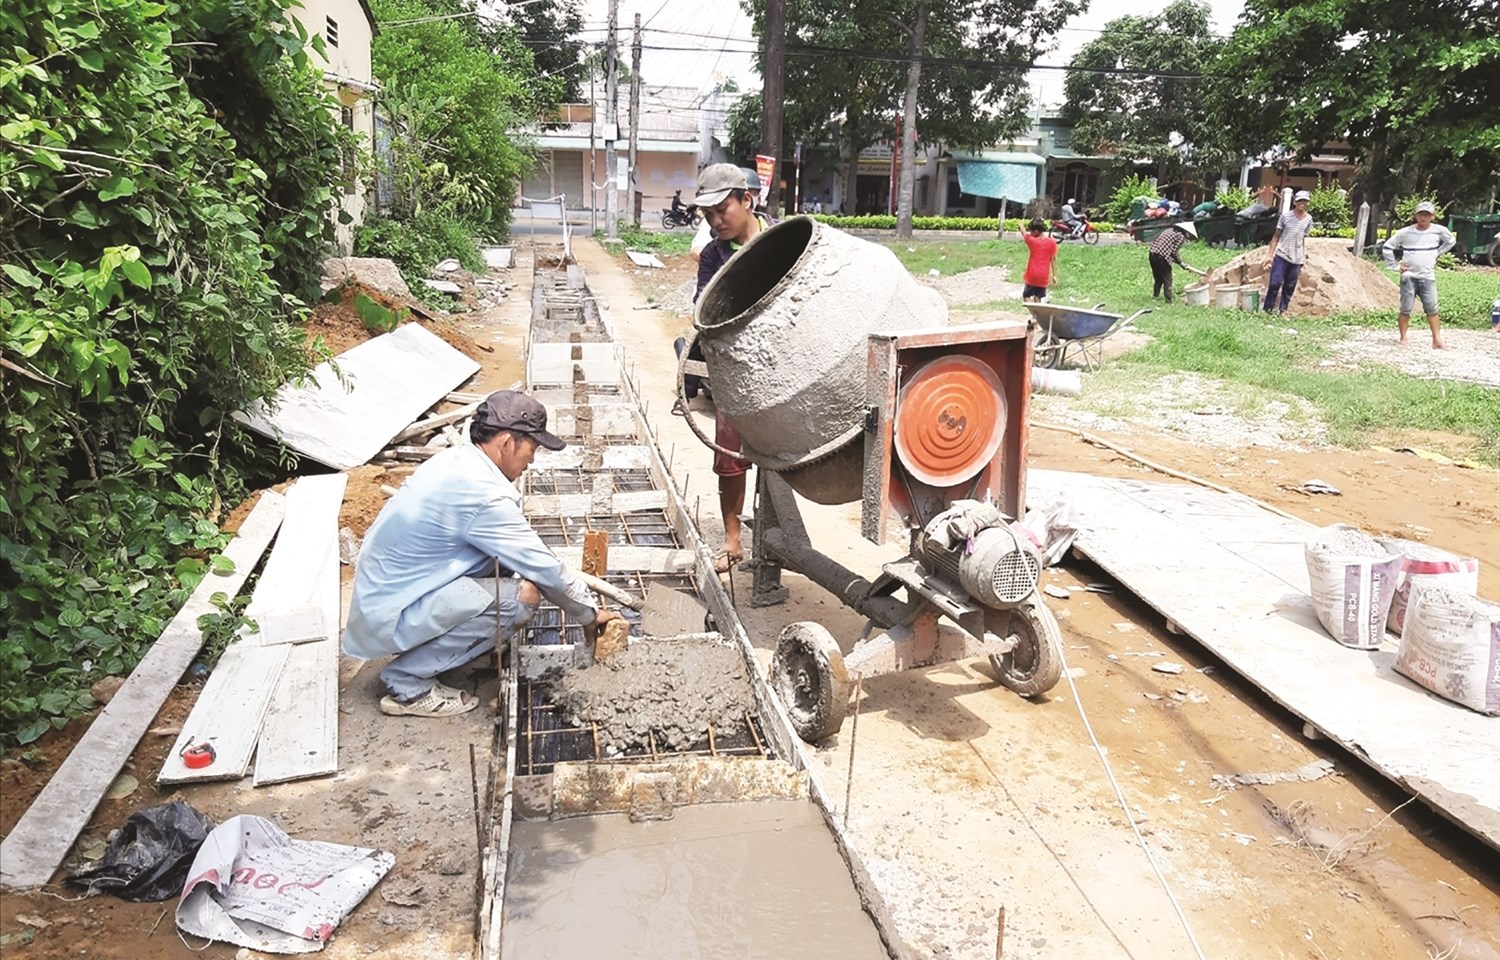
{"type": "Point", "coordinates": [1062, 331]}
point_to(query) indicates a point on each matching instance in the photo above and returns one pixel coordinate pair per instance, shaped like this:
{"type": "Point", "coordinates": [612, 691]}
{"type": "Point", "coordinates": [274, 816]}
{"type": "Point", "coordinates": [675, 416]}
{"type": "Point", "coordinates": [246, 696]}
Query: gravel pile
{"type": "Point", "coordinates": [980, 285]}
{"type": "Point", "coordinates": [1472, 356]}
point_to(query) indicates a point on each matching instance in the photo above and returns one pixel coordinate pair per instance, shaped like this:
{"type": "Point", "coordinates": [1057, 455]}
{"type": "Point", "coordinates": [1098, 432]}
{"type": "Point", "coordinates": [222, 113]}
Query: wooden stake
{"type": "Point", "coordinates": [1000, 934]}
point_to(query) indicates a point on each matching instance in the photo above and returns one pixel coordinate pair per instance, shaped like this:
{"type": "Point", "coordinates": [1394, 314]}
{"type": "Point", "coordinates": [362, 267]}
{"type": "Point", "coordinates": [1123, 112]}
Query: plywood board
{"type": "Point", "coordinates": [612, 458]}
{"type": "Point", "coordinates": [581, 504]}
{"type": "Point", "coordinates": [624, 559]}
{"type": "Point", "coordinates": [597, 420]}
{"type": "Point", "coordinates": [1245, 599]}
{"type": "Point", "coordinates": [229, 712]}
{"type": "Point", "coordinates": [556, 362]}
{"type": "Point", "coordinates": [391, 381]}
{"type": "Point", "coordinates": [37, 844]}
{"type": "Point", "coordinates": [645, 260]}
{"type": "Point", "coordinates": [290, 581]}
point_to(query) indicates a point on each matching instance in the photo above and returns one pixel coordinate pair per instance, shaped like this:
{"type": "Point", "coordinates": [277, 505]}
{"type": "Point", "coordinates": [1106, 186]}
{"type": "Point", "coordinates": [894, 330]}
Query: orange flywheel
{"type": "Point", "coordinates": [950, 419]}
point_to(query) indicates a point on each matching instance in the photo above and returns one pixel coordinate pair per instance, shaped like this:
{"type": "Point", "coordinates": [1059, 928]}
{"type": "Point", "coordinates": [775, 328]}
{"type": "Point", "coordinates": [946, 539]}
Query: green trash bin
{"type": "Point", "coordinates": [1216, 231]}
{"type": "Point", "coordinates": [1474, 233]}
{"type": "Point", "coordinates": [1146, 230]}
{"type": "Point", "coordinates": [1255, 231]}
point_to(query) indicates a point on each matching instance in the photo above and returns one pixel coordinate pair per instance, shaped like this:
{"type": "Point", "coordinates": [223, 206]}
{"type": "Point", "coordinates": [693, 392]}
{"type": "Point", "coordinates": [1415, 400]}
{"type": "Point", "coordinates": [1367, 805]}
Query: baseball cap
{"type": "Point", "coordinates": [513, 410]}
{"type": "Point", "coordinates": [1301, 195]}
{"type": "Point", "coordinates": [715, 182]}
{"type": "Point", "coordinates": [1426, 207]}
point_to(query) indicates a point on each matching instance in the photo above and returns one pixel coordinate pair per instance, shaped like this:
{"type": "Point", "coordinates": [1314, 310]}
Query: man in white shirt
{"type": "Point", "coordinates": [1288, 253]}
{"type": "Point", "coordinates": [451, 566]}
{"type": "Point", "coordinates": [1420, 245]}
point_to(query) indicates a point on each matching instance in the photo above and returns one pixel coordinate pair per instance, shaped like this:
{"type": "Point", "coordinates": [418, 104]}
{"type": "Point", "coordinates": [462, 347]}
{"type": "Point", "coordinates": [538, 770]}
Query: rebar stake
{"type": "Point", "coordinates": [859, 687]}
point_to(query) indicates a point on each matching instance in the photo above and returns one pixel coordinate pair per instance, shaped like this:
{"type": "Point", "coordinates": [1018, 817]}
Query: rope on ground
{"type": "Point", "coordinates": [1126, 452]}
{"type": "Point", "coordinates": [1129, 817]}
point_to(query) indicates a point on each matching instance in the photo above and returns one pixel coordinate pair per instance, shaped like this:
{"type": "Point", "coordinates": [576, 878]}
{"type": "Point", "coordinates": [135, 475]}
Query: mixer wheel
{"type": "Point", "coordinates": [1035, 664]}
{"type": "Point", "coordinates": [808, 674]}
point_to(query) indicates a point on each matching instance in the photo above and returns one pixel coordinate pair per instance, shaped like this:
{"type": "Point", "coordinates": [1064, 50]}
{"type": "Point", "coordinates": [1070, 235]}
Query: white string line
{"type": "Point", "coordinates": [1120, 796]}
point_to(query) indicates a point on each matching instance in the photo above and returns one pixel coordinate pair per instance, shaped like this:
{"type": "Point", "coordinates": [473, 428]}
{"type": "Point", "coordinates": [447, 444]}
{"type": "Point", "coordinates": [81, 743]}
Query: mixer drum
{"type": "Point", "coordinates": [784, 328]}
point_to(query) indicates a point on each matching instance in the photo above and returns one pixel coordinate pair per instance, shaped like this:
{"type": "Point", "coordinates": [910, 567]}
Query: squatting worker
{"type": "Point", "coordinates": [1420, 245]}
{"type": "Point", "coordinates": [426, 587]}
{"type": "Point", "coordinates": [1288, 253]}
{"type": "Point", "coordinates": [1165, 250]}
{"type": "Point", "coordinates": [729, 207]}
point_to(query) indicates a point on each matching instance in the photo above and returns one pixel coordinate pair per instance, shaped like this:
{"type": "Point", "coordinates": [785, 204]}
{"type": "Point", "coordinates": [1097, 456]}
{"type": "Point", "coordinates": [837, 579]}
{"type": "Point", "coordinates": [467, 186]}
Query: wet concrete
{"type": "Point", "coordinates": [742, 880]}
{"type": "Point", "coordinates": [669, 691]}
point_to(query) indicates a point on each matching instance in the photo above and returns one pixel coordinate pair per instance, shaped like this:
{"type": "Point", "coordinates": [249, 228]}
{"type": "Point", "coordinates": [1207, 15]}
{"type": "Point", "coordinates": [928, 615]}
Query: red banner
{"type": "Point", "coordinates": [766, 168]}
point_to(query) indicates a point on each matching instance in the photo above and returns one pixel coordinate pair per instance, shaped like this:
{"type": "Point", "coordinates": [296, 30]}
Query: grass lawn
{"type": "Point", "coordinates": [667, 241]}
{"type": "Point", "coordinates": [1243, 349]}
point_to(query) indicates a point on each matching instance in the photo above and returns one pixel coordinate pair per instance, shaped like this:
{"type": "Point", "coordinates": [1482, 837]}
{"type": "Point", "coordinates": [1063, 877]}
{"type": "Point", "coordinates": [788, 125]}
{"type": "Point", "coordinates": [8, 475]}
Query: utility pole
{"type": "Point", "coordinates": [635, 119]}
{"type": "Point", "coordinates": [593, 150]}
{"type": "Point", "coordinates": [612, 125]}
{"type": "Point", "coordinates": [772, 94]}
{"type": "Point", "coordinates": [909, 127]}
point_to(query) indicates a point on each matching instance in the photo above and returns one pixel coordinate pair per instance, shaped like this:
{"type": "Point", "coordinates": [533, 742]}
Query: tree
{"type": "Point", "coordinates": [550, 31]}
{"type": "Point", "coordinates": [481, 74]}
{"type": "Point", "coordinates": [851, 62]}
{"type": "Point", "coordinates": [1408, 86]}
{"type": "Point", "coordinates": [1136, 91]}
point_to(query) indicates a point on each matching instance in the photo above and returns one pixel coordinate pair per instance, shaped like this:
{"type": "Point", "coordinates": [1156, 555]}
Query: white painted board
{"type": "Point", "coordinates": [583, 504]}
{"type": "Point", "coordinates": [498, 258]}
{"type": "Point", "coordinates": [391, 381]}
{"type": "Point", "coordinates": [614, 457]}
{"type": "Point", "coordinates": [645, 260]}
{"type": "Point", "coordinates": [1246, 599]}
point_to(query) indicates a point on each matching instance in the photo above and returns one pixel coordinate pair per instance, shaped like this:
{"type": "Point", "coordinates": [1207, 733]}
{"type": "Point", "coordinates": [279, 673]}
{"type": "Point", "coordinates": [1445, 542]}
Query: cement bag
{"type": "Point", "coordinates": [1353, 582]}
{"type": "Point", "coordinates": [1427, 567]}
{"type": "Point", "coordinates": [1451, 646]}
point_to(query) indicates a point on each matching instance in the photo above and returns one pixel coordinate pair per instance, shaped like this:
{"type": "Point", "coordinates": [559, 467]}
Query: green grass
{"type": "Point", "coordinates": [673, 241]}
{"type": "Point", "coordinates": [1248, 349]}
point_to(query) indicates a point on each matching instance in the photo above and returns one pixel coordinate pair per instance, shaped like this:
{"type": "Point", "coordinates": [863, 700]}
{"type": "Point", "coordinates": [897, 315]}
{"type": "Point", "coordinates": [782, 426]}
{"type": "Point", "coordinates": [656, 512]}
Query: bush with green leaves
{"type": "Point", "coordinates": [1234, 198]}
{"type": "Point", "coordinates": [1329, 207]}
{"type": "Point", "coordinates": [415, 245]}
{"type": "Point", "coordinates": [139, 308]}
{"type": "Point", "coordinates": [880, 221]}
{"type": "Point", "coordinates": [1131, 189]}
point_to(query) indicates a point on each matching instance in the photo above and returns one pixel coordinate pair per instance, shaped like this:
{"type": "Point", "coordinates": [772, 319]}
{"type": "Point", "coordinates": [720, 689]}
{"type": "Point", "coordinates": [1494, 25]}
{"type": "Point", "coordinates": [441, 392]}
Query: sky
{"type": "Point", "coordinates": [713, 38]}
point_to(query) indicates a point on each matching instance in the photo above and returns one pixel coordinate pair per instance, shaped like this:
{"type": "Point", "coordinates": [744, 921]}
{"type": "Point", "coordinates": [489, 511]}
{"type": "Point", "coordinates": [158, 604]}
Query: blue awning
{"type": "Point", "coordinates": [997, 179]}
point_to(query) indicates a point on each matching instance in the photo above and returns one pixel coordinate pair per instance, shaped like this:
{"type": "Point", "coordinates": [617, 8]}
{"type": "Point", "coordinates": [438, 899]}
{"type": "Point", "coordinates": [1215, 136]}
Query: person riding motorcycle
{"type": "Point", "coordinates": [1071, 220]}
{"type": "Point", "coordinates": [677, 205]}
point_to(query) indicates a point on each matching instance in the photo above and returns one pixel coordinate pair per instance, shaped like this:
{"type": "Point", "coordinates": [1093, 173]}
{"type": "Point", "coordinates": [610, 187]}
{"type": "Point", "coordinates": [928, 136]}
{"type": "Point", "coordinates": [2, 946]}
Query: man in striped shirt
{"type": "Point", "coordinates": [1288, 253]}
{"type": "Point", "coordinates": [1165, 251]}
{"type": "Point", "coordinates": [1420, 245]}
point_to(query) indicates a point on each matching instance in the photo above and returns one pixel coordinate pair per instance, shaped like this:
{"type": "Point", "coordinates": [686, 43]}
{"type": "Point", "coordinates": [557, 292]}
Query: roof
{"type": "Point", "coordinates": [999, 156]}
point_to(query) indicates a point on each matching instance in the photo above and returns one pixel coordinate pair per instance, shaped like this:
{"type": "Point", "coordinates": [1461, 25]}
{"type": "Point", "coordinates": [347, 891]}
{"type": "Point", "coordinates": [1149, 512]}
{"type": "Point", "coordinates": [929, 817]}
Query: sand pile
{"type": "Point", "coordinates": [1332, 281]}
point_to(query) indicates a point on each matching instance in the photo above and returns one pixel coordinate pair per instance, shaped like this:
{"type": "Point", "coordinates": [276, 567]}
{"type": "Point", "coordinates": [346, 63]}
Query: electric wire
{"type": "Point", "coordinates": [1129, 816]}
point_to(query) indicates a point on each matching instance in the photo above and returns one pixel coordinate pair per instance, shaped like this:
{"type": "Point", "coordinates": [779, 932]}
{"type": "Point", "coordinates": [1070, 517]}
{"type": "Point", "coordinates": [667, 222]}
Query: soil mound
{"type": "Point", "coordinates": [1333, 280]}
{"type": "Point", "coordinates": [340, 326]}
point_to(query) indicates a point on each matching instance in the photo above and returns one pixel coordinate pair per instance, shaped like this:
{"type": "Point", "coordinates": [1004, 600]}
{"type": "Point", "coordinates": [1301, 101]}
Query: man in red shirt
{"type": "Point", "coordinates": [1041, 269]}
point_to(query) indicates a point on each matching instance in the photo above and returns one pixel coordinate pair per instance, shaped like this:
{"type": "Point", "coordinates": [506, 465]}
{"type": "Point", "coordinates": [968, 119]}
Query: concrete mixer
{"type": "Point", "coordinates": [846, 383]}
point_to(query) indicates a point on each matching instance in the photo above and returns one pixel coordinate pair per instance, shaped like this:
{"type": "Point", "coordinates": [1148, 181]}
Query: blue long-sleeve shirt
{"type": "Point", "coordinates": [452, 519]}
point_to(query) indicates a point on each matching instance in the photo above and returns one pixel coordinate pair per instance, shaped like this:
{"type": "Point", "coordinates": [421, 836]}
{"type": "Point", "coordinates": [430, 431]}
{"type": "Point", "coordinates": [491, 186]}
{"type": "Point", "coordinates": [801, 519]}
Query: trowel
{"type": "Point", "coordinates": [664, 612]}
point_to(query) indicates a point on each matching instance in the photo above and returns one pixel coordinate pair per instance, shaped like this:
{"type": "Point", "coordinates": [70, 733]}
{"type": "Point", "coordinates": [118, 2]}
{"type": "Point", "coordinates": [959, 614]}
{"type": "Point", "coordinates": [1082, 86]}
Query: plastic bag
{"type": "Point", "coordinates": [149, 857]}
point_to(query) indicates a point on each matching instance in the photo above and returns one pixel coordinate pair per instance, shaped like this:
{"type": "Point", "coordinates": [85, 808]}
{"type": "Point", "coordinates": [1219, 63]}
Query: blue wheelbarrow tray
{"type": "Point", "coordinates": [1061, 329]}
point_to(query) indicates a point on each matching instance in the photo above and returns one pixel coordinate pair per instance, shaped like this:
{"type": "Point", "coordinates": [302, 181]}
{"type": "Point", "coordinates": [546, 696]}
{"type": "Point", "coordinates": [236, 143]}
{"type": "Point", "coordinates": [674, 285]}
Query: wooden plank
{"type": "Point", "coordinates": [441, 420]}
{"type": "Point", "coordinates": [1263, 626]}
{"type": "Point", "coordinates": [623, 559]}
{"type": "Point", "coordinates": [231, 709]}
{"type": "Point", "coordinates": [35, 847]}
{"type": "Point", "coordinates": [229, 712]}
{"type": "Point", "coordinates": [581, 504]}
{"type": "Point", "coordinates": [300, 735]}
{"type": "Point", "coordinates": [392, 380]}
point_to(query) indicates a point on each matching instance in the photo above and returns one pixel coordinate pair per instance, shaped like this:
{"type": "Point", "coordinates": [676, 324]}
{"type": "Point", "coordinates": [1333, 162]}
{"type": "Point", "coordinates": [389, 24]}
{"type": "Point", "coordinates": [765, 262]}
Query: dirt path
{"type": "Point", "coordinates": [969, 799]}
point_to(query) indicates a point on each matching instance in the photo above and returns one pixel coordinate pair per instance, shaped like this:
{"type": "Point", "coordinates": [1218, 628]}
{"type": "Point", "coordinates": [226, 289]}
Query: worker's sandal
{"type": "Point", "coordinates": [446, 702]}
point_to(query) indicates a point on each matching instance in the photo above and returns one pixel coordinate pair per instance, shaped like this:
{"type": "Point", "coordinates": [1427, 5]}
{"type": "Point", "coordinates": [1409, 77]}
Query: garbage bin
{"type": "Point", "coordinates": [1216, 231]}
{"type": "Point", "coordinates": [1256, 230]}
{"type": "Point", "coordinates": [1146, 230]}
{"type": "Point", "coordinates": [1475, 233]}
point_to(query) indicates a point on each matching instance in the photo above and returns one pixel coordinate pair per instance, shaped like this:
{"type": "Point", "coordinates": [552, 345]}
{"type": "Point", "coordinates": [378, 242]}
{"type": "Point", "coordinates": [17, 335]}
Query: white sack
{"type": "Point", "coordinates": [1427, 567]}
{"type": "Point", "coordinates": [1353, 583]}
{"type": "Point", "coordinates": [1451, 646]}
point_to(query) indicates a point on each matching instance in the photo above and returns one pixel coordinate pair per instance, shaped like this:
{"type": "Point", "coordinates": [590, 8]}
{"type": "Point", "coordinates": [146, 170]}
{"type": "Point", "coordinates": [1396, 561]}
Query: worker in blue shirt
{"type": "Point", "coordinates": [451, 565]}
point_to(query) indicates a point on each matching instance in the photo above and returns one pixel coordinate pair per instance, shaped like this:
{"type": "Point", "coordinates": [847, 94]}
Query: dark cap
{"type": "Point", "coordinates": [512, 410]}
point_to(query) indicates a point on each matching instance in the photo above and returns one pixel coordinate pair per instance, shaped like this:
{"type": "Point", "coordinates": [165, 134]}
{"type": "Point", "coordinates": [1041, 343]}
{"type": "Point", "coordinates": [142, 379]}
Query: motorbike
{"type": "Point", "coordinates": [686, 217]}
{"type": "Point", "coordinates": [1061, 231]}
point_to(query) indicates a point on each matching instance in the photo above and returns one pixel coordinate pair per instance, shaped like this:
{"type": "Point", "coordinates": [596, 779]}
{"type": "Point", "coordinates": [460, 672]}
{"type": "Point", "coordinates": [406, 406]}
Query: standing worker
{"type": "Point", "coordinates": [1420, 245]}
{"type": "Point", "coordinates": [729, 207]}
{"type": "Point", "coordinates": [451, 567]}
{"type": "Point", "coordinates": [1165, 251]}
{"type": "Point", "coordinates": [1288, 253]}
{"type": "Point", "coordinates": [1041, 268]}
